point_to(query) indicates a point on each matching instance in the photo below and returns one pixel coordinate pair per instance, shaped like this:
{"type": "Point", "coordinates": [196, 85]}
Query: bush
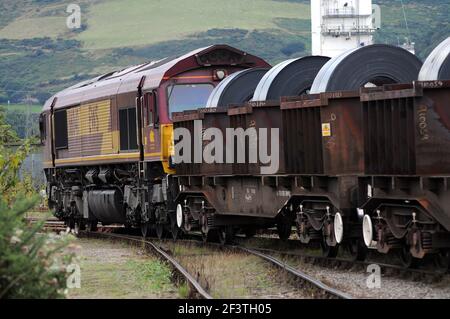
{"type": "Point", "coordinates": [32, 265]}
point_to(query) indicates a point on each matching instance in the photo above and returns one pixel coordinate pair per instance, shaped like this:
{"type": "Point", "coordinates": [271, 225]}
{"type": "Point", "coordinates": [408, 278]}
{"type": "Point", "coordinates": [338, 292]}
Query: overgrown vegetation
{"type": "Point", "coordinates": [32, 265]}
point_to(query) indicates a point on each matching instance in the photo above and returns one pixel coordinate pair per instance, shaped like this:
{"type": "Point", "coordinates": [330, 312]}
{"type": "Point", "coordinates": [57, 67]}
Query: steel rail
{"type": "Point", "coordinates": [297, 273]}
{"type": "Point", "coordinates": [354, 262]}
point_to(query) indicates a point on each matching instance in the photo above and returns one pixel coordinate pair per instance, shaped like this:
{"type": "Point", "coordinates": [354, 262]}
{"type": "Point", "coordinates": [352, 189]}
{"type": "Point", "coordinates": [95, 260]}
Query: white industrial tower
{"type": "Point", "coordinates": [341, 25]}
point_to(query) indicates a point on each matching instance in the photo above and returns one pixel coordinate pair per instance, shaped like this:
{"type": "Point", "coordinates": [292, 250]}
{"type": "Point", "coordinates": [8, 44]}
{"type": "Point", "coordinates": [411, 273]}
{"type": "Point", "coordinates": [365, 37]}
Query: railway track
{"type": "Point", "coordinates": [279, 257]}
{"type": "Point", "coordinates": [320, 289]}
{"type": "Point", "coordinates": [343, 263]}
{"type": "Point", "coordinates": [55, 225]}
{"type": "Point", "coordinates": [327, 290]}
{"type": "Point", "coordinates": [200, 291]}
{"type": "Point", "coordinates": [50, 225]}
{"type": "Point", "coordinates": [427, 270]}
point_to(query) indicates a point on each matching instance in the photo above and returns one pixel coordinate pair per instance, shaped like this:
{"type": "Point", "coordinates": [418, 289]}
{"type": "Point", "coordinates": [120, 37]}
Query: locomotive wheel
{"type": "Point", "coordinates": [145, 229]}
{"type": "Point", "coordinates": [92, 226]}
{"type": "Point", "coordinates": [210, 236]}
{"type": "Point", "coordinates": [357, 250]}
{"type": "Point", "coordinates": [407, 259]}
{"type": "Point", "coordinates": [174, 229]}
{"type": "Point", "coordinates": [159, 231]}
{"type": "Point", "coordinates": [225, 235]}
{"type": "Point", "coordinates": [76, 227]}
{"type": "Point", "coordinates": [442, 260]}
{"type": "Point", "coordinates": [70, 223]}
{"type": "Point", "coordinates": [79, 225]}
{"type": "Point", "coordinates": [328, 251]}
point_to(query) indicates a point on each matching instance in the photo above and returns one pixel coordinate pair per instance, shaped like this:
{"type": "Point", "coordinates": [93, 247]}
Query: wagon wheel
{"type": "Point", "coordinates": [174, 229]}
{"type": "Point", "coordinates": [160, 231]}
{"type": "Point", "coordinates": [442, 260]}
{"type": "Point", "coordinates": [92, 226]}
{"type": "Point", "coordinates": [145, 229]}
{"type": "Point", "coordinates": [407, 259]}
{"type": "Point", "coordinates": [210, 235]}
{"type": "Point", "coordinates": [205, 237]}
{"type": "Point", "coordinates": [284, 227]}
{"type": "Point", "coordinates": [225, 235]}
{"type": "Point", "coordinates": [357, 250]}
{"type": "Point", "coordinates": [250, 232]}
{"type": "Point", "coordinates": [328, 251]}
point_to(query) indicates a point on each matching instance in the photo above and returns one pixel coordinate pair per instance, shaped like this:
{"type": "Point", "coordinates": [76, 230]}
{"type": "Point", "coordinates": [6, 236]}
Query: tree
{"type": "Point", "coordinates": [32, 265]}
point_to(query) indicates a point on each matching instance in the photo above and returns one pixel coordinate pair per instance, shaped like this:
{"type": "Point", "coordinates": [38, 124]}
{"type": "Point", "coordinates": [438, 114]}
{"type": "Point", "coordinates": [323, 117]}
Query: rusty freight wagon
{"type": "Point", "coordinates": [109, 141]}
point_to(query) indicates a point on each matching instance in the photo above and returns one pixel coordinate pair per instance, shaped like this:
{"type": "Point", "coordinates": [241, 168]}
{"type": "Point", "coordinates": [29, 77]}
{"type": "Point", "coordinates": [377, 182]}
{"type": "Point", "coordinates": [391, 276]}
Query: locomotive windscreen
{"type": "Point", "coordinates": [184, 97]}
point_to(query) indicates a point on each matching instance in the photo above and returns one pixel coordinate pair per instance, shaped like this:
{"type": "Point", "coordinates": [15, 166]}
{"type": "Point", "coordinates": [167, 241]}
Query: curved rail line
{"type": "Point", "coordinates": [195, 284]}
{"type": "Point", "coordinates": [280, 264]}
{"type": "Point", "coordinates": [315, 282]}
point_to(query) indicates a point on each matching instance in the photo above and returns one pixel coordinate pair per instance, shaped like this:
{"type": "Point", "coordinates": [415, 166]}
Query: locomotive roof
{"type": "Point", "coordinates": [155, 72]}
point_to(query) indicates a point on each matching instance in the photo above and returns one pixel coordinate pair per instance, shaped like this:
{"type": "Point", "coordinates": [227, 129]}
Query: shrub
{"type": "Point", "coordinates": [32, 265]}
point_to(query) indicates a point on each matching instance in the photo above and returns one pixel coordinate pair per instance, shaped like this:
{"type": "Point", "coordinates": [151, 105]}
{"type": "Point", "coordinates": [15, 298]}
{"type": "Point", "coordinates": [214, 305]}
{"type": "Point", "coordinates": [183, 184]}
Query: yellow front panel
{"type": "Point", "coordinates": [167, 146]}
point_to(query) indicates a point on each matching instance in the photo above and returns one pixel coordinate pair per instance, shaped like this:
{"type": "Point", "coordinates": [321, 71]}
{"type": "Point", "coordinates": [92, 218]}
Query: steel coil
{"type": "Point", "coordinates": [289, 78]}
{"type": "Point", "coordinates": [377, 64]}
{"type": "Point", "coordinates": [437, 65]}
{"type": "Point", "coordinates": [238, 88]}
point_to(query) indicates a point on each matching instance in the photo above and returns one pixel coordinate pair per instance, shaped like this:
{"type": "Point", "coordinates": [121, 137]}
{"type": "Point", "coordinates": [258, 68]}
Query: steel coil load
{"type": "Point", "coordinates": [437, 65]}
{"type": "Point", "coordinates": [238, 88]}
{"type": "Point", "coordinates": [376, 64]}
{"type": "Point", "coordinates": [289, 78]}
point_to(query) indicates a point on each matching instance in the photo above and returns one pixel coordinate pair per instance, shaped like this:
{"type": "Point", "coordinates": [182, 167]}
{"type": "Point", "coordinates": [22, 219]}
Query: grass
{"type": "Point", "coordinates": [117, 23]}
{"type": "Point", "coordinates": [153, 276]}
{"type": "Point", "coordinates": [22, 107]}
{"type": "Point", "coordinates": [228, 274]}
{"type": "Point", "coordinates": [27, 28]}
{"type": "Point", "coordinates": [114, 270]}
{"type": "Point", "coordinates": [139, 22]}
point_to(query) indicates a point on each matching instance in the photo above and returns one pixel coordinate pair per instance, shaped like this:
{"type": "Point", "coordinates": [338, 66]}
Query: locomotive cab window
{"type": "Point", "coordinates": [61, 135]}
{"type": "Point", "coordinates": [128, 133]}
{"type": "Point", "coordinates": [184, 97]}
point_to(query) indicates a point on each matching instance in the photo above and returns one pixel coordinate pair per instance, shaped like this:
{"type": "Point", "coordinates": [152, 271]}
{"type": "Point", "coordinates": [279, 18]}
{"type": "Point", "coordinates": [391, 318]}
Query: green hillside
{"type": "Point", "coordinates": [39, 55]}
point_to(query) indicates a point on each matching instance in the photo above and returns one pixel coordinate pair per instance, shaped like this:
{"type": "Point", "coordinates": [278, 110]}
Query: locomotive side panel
{"type": "Point", "coordinates": [88, 133]}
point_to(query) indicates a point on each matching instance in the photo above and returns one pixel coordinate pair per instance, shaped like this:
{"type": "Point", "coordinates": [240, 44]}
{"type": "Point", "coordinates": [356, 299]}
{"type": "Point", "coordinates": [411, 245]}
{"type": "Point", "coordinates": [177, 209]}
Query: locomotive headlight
{"type": "Point", "coordinates": [220, 74]}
